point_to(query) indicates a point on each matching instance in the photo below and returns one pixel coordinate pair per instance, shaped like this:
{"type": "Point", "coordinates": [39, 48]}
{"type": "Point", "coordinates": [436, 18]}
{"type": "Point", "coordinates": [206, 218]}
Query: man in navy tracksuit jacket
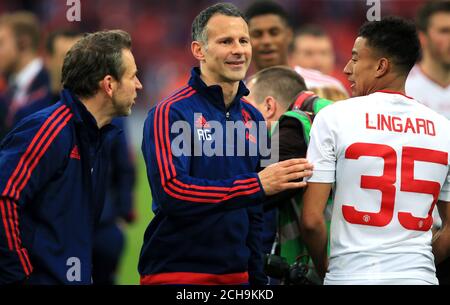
{"type": "Point", "coordinates": [205, 207]}
{"type": "Point", "coordinates": [208, 215]}
{"type": "Point", "coordinates": [53, 165]}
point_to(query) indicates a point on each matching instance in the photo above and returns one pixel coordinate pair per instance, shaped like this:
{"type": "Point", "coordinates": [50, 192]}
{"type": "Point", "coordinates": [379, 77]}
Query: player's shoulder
{"type": "Point", "coordinates": [347, 106]}
{"type": "Point", "coordinates": [51, 124]}
{"type": "Point", "coordinates": [433, 115]}
{"type": "Point", "coordinates": [427, 113]}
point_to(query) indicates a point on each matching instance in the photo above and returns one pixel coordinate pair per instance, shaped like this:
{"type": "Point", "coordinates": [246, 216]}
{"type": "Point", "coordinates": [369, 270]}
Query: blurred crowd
{"type": "Point", "coordinates": [161, 30]}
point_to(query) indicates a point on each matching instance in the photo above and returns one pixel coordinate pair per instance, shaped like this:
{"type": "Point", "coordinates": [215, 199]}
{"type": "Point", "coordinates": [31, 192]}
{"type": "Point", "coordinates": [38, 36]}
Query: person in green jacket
{"type": "Point", "coordinates": [280, 94]}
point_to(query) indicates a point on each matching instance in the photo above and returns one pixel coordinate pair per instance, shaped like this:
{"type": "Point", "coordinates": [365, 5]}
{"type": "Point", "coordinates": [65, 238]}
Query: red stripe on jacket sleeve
{"type": "Point", "coordinates": [12, 235]}
{"type": "Point", "coordinates": [41, 153]}
{"type": "Point", "coordinates": [30, 149]}
{"type": "Point", "coordinates": [6, 224]}
{"type": "Point", "coordinates": [156, 138]}
{"type": "Point", "coordinates": [167, 154]}
{"type": "Point", "coordinates": [167, 168]}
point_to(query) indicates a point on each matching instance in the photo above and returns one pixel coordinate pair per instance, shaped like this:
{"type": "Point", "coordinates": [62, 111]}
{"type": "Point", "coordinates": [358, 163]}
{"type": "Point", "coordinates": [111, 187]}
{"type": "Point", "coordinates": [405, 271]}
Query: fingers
{"type": "Point", "coordinates": [297, 175]}
{"type": "Point", "coordinates": [285, 175]}
{"type": "Point", "coordinates": [291, 162]}
{"type": "Point", "coordinates": [293, 185]}
{"type": "Point", "coordinates": [298, 168]}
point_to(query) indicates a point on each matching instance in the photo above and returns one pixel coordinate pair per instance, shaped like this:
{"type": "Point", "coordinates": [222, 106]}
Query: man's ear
{"type": "Point", "coordinates": [270, 105]}
{"type": "Point", "coordinates": [383, 67]}
{"type": "Point", "coordinates": [198, 50]}
{"type": "Point", "coordinates": [108, 84]}
{"type": "Point", "coordinates": [423, 39]}
{"type": "Point", "coordinates": [23, 43]}
{"type": "Point", "coordinates": [290, 35]}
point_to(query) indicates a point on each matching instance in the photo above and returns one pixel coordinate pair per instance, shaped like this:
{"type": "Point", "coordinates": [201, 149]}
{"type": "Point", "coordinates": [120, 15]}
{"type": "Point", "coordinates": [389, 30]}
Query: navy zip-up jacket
{"type": "Point", "coordinates": [52, 190]}
{"type": "Point", "coordinates": [121, 174]}
{"type": "Point", "coordinates": [208, 218]}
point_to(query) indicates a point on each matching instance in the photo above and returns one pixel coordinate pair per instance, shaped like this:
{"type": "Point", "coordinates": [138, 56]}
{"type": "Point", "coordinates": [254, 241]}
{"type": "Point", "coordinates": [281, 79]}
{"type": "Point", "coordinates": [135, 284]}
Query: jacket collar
{"type": "Point", "coordinates": [214, 93]}
{"type": "Point", "coordinates": [82, 116]}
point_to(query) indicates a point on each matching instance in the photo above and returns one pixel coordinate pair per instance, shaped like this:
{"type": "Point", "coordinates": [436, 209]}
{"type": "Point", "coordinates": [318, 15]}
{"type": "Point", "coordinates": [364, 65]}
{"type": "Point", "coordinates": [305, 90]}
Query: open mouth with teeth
{"type": "Point", "coordinates": [237, 63]}
{"type": "Point", "coordinates": [267, 53]}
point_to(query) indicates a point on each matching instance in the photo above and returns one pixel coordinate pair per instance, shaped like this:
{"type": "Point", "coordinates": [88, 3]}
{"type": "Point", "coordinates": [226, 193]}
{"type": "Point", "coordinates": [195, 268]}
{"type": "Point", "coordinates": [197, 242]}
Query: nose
{"type": "Point", "coordinates": [347, 68]}
{"type": "Point", "coordinates": [237, 49]}
{"type": "Point", "coordinates": [265, 38]}
{"type": "Point", "coordinates": [138, 84]}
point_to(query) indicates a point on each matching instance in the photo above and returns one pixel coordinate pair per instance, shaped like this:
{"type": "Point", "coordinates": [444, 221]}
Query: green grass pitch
{"type": "Point", "coordinates": [127, 273]}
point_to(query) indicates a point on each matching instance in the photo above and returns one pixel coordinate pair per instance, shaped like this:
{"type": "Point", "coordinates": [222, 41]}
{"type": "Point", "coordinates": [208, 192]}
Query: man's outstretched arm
{"type": "Point", "coordinates": [313, 226]}
{"type": "Point", "coordinates": [441, 240]}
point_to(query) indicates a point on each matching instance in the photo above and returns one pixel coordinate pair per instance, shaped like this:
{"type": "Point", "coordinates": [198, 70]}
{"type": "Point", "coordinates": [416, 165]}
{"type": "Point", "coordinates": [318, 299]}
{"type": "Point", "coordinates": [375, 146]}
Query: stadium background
{"type": "Point", "coordinates": [161, 44]}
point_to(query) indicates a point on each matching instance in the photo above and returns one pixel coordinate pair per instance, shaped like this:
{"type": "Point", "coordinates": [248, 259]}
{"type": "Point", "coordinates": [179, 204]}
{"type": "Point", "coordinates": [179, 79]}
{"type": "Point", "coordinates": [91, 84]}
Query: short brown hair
{"type": "Point", "coordinates": [92, 58]}
{"type": "Point", "coordinates": [25, 27]}
{"type": "Point", "coordinates": [281, 82]}
{"type": "Point", "coordinates": [428, 10]}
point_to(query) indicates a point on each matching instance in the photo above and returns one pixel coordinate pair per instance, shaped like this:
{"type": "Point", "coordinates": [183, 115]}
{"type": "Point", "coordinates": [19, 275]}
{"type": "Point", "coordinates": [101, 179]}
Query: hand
{"type": "Point", "coordinates": [284, 175]}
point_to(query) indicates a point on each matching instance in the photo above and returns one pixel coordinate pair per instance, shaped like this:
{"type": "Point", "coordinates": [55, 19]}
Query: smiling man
{"type": "Point", "coordinates": [208, 215]}
{"type": "Point", "coordinates": [270, 34]}
{"type": "Point", "coordinates": [387, 180]}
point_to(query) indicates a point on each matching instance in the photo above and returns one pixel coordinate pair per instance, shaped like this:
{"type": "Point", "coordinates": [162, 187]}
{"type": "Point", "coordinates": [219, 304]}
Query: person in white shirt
{"type": "Point", "coordinates": [387, 156]}
{"type": "Point", "coordinates": [429, 80]}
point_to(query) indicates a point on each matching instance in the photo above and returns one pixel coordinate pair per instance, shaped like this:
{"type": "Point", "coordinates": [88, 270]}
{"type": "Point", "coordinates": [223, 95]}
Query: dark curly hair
{"type": "Point", "coordinates": [394, 38]}
{"type": "Point", "coordinates": [267, 7]}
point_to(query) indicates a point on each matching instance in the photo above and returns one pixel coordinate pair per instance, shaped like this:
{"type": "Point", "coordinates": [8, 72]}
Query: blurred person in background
{"type": "Point", "coordinates": [276, 92]}
{"type": "Point", "coordinates": [56, 47]}
{"type": "Point", "coordinates": [20, 63]}
{"type": "Point", "coordinates": [429, 80]}
{"type": "Point", "coordinates": [271, 36]}
{"type": "Point", "coordinates": [312, 48]}
{"type": "Point", "coordinates": [330, 93]}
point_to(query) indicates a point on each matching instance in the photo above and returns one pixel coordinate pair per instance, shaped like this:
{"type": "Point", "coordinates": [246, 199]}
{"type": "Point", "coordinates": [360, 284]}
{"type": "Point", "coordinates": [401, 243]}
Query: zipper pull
{"type": "Point", "coordinates": [227, 115]}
